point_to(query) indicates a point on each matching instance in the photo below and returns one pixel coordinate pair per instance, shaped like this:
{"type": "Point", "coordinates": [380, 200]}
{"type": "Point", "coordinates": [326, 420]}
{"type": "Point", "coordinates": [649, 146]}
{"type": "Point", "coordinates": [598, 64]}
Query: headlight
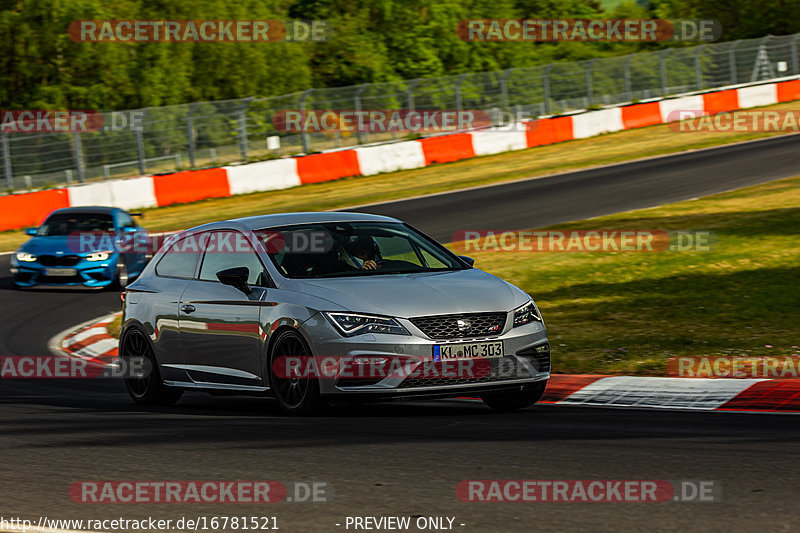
{"type": "Point", "coordinates": [26, 257]}
{"type": "Point", "coordinates": [350, 324]}
{"type": "Point", "coordinates": [527, 314]}
{"type": "Point", "coordinates": [98, 256]}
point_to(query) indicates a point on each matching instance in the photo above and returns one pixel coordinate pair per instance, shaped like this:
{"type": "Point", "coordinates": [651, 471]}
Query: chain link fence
{"type": "Point", "coordinates": [222, 132]}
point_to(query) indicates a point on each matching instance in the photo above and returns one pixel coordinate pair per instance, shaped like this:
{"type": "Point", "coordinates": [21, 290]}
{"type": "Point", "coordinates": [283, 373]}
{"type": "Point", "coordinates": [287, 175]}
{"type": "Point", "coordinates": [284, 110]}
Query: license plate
{"type": "Point", "coordinates": [60, 271]}
{"type": "Point", "coordinates": [467, 350]}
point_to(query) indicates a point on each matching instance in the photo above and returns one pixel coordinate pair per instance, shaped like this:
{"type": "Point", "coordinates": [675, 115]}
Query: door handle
{"type": "Point", "coordinates": [188, 308]}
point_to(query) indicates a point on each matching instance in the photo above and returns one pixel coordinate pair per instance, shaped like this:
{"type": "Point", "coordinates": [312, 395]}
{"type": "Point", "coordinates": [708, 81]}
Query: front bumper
{"type": "Point", "coordinates": [409, 368]}
{"type": "Point", "coordinates": [86, 273]}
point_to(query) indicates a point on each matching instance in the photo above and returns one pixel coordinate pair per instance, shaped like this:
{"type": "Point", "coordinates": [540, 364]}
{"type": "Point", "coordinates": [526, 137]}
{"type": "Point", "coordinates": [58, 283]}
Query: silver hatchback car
{"type": "Point", "coordinates": [314, 308]}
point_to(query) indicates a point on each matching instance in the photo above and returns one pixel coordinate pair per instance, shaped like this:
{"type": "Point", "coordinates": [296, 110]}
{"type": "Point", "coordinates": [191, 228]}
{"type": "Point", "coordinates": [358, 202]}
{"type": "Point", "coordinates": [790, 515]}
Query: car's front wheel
{"type": "Point", "coordinates": [296, 389]}
{"type": "Point", "coordinates": [509, 401]}
{"type": "Point", "coordinates": [143, 380]}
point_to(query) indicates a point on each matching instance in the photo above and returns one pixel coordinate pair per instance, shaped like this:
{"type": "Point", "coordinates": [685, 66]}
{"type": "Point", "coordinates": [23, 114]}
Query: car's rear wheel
{"type": "Point", "coordinates": [144, 383]}
{"type": "Point", "coordinates": [509, 401]}
{"type": "Point", "coordinates": [297, 392]}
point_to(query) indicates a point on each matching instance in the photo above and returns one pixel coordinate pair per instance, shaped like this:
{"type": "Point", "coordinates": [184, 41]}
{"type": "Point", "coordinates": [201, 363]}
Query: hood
{"type": "Point", "coordinates": [67, 245]}
{"type": "Point", "coordinates": [410, 295]}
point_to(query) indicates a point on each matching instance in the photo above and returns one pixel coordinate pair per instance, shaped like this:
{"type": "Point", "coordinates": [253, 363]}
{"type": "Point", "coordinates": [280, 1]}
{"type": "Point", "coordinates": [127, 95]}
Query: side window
{"type": "Point", "coordinates": [180, 260]}
{"type": "Point", "coordinates": [125, 220]}
{"type": "Point", "coordinates": [230, 249]}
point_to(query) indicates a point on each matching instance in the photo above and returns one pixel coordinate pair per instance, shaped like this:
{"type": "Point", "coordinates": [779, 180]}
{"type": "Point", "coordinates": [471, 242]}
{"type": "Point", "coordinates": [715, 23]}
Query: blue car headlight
{"type": "Point", "coordinates": [350, 324]}
{"type": "Point", "coordinates": [26, 257]}
{"type": "Point", "coordinates": [98, 256]}
{"type": "Point", "coordinates": [527, 314]}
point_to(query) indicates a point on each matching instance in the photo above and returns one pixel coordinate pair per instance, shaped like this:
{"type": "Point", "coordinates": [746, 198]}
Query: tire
{"type": "Point", "coordinates": [121, 278]}
{"type": "Point", "coordinates": [149, 389]}
{"type": "Point", "coordinates": [296, 396]}
{"type": "Point", "coordinates": [508, 402]}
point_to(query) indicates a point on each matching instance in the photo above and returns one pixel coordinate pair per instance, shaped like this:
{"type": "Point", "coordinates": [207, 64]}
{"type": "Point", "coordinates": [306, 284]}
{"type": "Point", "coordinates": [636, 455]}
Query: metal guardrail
{"type": "Point", "coordinates": [221, 132]}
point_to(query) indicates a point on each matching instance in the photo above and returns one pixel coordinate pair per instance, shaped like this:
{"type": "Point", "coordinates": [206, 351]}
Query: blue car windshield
{"type": "Point", "coordinates": [69, 223]}
{"type": "Point", "coordinates": [326, 250]}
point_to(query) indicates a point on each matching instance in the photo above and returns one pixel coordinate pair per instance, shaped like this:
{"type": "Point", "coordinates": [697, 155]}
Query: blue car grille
{"type": "Point", "coordinates": [59, 260]}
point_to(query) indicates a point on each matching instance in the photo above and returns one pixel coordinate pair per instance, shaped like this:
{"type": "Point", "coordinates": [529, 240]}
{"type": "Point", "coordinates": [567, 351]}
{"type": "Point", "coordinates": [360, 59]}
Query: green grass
{"type": "Point", "coordinates": [539, 161]}
{"type": "Point", "coordinates": [629, 312]}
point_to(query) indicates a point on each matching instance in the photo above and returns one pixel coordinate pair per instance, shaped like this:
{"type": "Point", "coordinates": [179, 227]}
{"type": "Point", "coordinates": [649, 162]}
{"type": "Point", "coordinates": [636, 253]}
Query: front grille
{"type": "Point", "coordinates": [59, 280]}
{"type": "Point", "coordinates": [482, 371]}
{"type": "Point", "coordinates": [59, 260]}
{"type": "Point", "coordinates": [461, 326]}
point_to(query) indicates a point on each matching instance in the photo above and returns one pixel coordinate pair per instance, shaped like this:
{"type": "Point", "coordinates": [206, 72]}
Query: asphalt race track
{"type": "Point", "coordinates": [405, 459]}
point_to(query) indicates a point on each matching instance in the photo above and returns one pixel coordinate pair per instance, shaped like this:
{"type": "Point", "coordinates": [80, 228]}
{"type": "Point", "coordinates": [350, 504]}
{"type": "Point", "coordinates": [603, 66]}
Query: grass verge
{"type": "Point", "coordinates": [627, 312]}
{"type": "Point", "coordinates": [539, 161]}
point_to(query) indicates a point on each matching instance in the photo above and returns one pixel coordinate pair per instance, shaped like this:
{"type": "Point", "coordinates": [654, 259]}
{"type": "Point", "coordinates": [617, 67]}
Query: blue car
{"type": "Point", "coordinates": [82, 246]}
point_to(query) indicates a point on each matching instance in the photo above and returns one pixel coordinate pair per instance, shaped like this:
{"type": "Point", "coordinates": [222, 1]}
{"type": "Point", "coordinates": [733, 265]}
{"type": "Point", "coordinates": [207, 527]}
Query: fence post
{"type": "Point", "coordinates": [504, 87]}
{"type": "Point", "coordinates": [190, 133]}
{"type": "Point", "coordinates": [698, 70]}
{"type": "Point", "coordinates": [546, 87]}
{"type": "Point", "coordinates": [243, 128]}
{"type": "Point", "coordinates": [626, 76]}
{"type": "Point", "coordinates": [732, 61]}
{"type": "Point", "coordinates": [795, 65]}
{"type": "Point", "coordinates": [7, 162]}
{"type": "Point", "coordinates": [458, 91]}
{"type": "Point", "coordinates": [78, 147]}
{"type": "Point", "coordinates": [662, 60]}
{"type": "Point", "coordinates": [588, 74]}
{"type": "Point", "coordinates": [301, 107]}
{"type": "Point", "coordinates": [68, 174]}
{"type": "Point", "coordinates": [140, 145]}
{"type": "Point", "coordinates": [410, 93]}
{"type": "Point", "coordinates": [357, 102]}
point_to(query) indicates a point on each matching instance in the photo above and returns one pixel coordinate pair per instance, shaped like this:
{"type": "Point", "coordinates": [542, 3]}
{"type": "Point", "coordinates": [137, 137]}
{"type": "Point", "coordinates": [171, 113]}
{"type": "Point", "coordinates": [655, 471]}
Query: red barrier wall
{"type": "Point", "coordinates": [549, 131]}
{"type": "Point", "coordinates": [788, 91]}
{"type": "Point", "coordinates": [329, 166]}
{"type": "Point", "coordinates": [191, 186]}
{"type": "Point", "coordinates": [714, 103]}
{"type": "Point", "coordinates": [29, 209]}
{"type": "Point", "coordinates": [447, 148]}
{"type": "Point", "coordinates": [641, 115]}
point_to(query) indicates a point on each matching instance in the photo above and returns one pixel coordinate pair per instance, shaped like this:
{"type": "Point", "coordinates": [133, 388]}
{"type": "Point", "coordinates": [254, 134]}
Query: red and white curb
{"type": "Point", "coordinates": [89, 341]}
{"type": "Point", "coordinates": [92, 342]}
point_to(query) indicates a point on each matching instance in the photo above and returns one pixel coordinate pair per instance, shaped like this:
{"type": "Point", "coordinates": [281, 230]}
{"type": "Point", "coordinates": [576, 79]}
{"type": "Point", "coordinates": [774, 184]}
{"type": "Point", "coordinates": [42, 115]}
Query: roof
{"type": "Point", "coordinates": [89, 210]}
{"type": "Point", "coordinates": [289, 219]}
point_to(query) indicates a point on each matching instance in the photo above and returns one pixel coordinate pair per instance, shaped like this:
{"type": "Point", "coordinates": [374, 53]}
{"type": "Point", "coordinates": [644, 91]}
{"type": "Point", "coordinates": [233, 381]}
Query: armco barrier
{"type": "Point", "coordinates": [191, 186]}
{"type": "Point", "coordinates": [718, 102]}
{"type": "Point", "coordinates": [498, 140]}
{"type": "Point", "coordinates": [447, 148]}
{"type": "Point", "coordinates": [788, 91]}
{"type": "Point", "coordinates": [328, 166]}
{"type": "Point", "coordinates": [603, 121]}
{"type": "Point", "coordinates": [390, 157]}
{"type": "Point", "coordinates": [20, 210]}
{"type": "Point", "coordinates": [133, 193]}
{"type": "Point", "coordinates": [263, 176]}
{"type": "Point", "coordinates": [669, 108]}
{"type": "Point", "coordinates": [548, 131]}
{"type": "Point", "coordinates": [757, 96]}
{"type": "Point", "coordinates": [641, 115]}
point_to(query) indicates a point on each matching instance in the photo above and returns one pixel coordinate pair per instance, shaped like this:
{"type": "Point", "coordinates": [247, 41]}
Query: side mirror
{"type": "Point", "coordinates": [236, 278]}
{"type": "Point", "coordinates": [468, 260]}
{"type": "Point", "coordinates": [31, 231]}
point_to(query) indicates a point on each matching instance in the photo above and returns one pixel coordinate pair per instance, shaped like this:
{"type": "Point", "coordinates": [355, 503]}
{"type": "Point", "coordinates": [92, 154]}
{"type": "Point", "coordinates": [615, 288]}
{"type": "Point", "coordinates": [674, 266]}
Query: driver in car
{"type": "Point", "coordinates": [364, 251]}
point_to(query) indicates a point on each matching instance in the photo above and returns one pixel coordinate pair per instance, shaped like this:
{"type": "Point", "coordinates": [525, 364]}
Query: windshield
{"type": "Point", "coordinates": [68, 223]}
{"type": "Point", "coordinates": [354, 249]}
